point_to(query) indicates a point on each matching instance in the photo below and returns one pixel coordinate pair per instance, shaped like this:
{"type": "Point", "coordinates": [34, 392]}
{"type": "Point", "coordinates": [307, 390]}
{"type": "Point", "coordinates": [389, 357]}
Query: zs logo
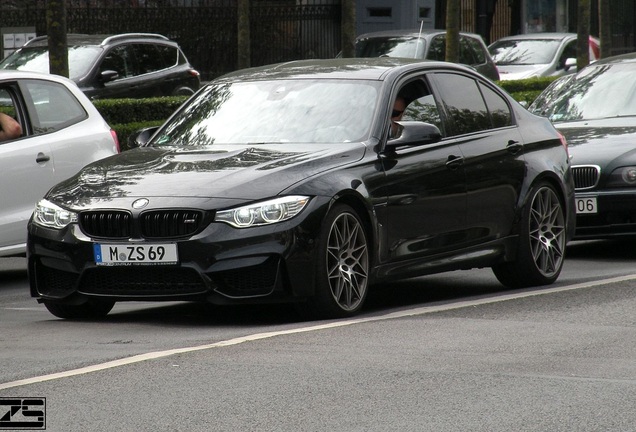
{"type": "Point", "coordinates": [22, 413]}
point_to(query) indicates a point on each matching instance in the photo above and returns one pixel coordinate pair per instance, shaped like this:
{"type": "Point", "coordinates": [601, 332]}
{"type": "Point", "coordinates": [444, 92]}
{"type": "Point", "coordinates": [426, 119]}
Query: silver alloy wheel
{"type": "Point", "coordinates": [347, 261]}
{"type": "Point", "coordinates": [547, 231]}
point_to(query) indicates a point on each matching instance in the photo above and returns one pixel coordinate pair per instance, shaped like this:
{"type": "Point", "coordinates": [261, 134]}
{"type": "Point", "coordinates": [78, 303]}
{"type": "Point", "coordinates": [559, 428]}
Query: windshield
{"type": "Point", "coordinates": [281, 111]}
{"type": "Point", "coordinates": [524, 52]}
{"type": "Point", "coordinates": [587, 96]}
{"type": "Point", "coordinates": [396, 46]}
{"type": "Point", "coordinates": [36, 59]}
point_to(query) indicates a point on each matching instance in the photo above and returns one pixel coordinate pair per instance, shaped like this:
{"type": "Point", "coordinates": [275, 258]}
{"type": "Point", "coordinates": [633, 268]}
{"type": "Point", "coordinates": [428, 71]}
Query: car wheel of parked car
{"type": "Point", "coordinates": [542, 240]}
{"type": "Point", "coordinates": [90, 310]}
{"type": "Point", "coordinates": [343, 267]}
{"type": "Point", "coordinates": [183, 91]}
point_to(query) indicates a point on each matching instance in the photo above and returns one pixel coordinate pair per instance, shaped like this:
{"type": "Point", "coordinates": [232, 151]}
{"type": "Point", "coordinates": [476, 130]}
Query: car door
{"type": "Point", "coordinates": [26, 173]}
{"type": "Point", "coordinates": [482, 125]}
{"type": "Point", "coordinates": [425, 185]}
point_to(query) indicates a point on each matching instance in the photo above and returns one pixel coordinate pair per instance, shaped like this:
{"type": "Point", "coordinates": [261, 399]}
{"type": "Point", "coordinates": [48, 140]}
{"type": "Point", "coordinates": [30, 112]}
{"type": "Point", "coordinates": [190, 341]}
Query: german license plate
{"type": "Point", "coordinates": [142, 254]}
{"type": "Point", "coordinates": [586, 205]}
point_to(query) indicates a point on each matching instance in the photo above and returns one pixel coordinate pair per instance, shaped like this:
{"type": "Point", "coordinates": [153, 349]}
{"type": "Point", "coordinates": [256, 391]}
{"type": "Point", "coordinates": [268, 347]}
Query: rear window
{"type": "Point", "coordinates": [391, 46]}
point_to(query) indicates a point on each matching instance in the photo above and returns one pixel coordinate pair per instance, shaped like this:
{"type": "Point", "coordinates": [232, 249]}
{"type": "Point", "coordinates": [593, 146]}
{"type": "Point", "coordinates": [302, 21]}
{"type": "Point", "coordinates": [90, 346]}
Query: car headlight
{"type": "Point", "coordinates": [263, 213]}
{"type": "Point", "coordinates": [623, 177]}
{"type": "Point", "coordinates": [52, 216]}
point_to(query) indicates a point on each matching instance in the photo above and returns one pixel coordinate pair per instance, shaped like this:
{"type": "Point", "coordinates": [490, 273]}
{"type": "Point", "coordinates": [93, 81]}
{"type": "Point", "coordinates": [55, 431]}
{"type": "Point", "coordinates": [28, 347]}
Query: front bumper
{"type": "Point", "coordinates": [615, 216]}
{"type": "Point", "coordinates": [220, 264]}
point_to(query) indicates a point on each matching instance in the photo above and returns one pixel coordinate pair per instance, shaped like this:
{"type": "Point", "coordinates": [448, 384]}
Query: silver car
{"type": "Point", "coordinates": [538, 55]}
{"type": "Point", "coordinates": [61, 131]}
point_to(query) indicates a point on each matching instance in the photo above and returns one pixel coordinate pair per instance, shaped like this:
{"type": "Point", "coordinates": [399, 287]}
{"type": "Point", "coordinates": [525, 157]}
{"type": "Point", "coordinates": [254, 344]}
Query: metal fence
{"type": "Point", "coordinates": [205, 29]}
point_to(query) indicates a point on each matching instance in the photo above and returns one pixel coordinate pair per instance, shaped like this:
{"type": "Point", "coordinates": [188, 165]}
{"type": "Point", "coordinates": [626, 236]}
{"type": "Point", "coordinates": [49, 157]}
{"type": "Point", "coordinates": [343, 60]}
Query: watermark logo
{"type": "Point", "coordinates": [22, 413]}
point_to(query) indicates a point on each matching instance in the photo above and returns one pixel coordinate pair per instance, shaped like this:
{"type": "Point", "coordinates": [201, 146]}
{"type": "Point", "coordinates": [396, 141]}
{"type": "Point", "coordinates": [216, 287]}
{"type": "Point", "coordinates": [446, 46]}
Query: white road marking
{"type": "Point", "coordinates": [258, 336]}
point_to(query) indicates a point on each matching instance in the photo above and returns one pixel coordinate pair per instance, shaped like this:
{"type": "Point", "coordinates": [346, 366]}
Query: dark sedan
{"type": "Point", "coordinates": [303, 182]}
{"type": "Point", "coordinates": [596, 111]}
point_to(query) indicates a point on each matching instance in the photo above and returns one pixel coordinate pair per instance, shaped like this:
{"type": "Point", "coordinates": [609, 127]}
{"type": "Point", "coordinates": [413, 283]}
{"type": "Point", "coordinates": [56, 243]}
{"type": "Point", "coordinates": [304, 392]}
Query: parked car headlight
{"type": "Point", "coordinates": [623, 177]}
{"type": "Point", "coordinates": [263, 213]}
{"type": "Point", "coordinates": [52, 216]}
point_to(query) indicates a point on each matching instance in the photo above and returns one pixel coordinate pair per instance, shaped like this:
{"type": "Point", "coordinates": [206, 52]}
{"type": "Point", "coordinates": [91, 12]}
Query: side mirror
{"type": "Point", "coordinates": [414, 133]}
{"type": "Point", "coordinates": [108, 75]}
{"type": "Point", "coordinates": [141, 137]}
{"type": "Point", "coordinates": [569, 63]}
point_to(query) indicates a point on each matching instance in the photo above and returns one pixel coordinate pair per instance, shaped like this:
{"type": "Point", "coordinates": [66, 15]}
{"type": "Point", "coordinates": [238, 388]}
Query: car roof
{"type": "Point", "coordinates": [410, 32]}
{"type": "Point", "coordinates": [535, 36]}
{"type": "Point", "coordinates": [375, 68]}
{"type": "Point", "coordinates": [623, 58]}
{"type": "Point", "coordinates": [12, 74]}
{"type": "Point", "coordinates": [75, 39]}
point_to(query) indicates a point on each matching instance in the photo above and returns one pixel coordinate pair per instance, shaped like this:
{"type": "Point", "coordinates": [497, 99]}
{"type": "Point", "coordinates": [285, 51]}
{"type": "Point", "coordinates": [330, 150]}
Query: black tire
{"type": "Point", "coordinates": [183, 91]}
{"type": "Point", "coordinates": [343, 267]}
{"type": "Point", "coordinates": [542, 240]}
{"type": "Point", "coordinates": [92, 309]}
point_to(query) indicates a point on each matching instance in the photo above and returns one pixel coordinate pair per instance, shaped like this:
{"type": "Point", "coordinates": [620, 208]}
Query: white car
{"type": "Point", "coordinates": [538, 55]}
{"type": "Point", "coordinates": [61, 132]}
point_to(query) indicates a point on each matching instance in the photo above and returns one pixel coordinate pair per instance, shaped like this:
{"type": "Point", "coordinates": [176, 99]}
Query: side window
{"type": "Point", "coordinates": [462, 102]}
{"type": "Point", "coordinates": [425, 110]}
{"type": "Point", "coordinates": [477, 50]}
{"type": "Point", "coordinates": [8, 117]}
{"type": "Point", "coordinates": [437, 50]}
{"type": "Point", "coordinates": [149, 58]}
{"type": "Point", "coordinates": [54, 106]}
{"type": "Point", "coordinates": [568, 52]}
{"type": "Point", "coordinates": [120, 60]}
{"type": "Point", "coordinates": [499, 110]}
{"type": "Point", "coordinates": [169, 55]}
{"type": "Point", "coordinates": [466, 53]}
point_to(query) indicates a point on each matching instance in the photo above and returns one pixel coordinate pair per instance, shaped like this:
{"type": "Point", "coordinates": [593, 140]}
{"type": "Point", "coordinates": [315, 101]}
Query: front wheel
{"type": "Point", "coordinates": [92, 309]}
{"type": "Point", "coordinates": [343, 267]}
{"type": "Point", "coordinates": [542, 240]}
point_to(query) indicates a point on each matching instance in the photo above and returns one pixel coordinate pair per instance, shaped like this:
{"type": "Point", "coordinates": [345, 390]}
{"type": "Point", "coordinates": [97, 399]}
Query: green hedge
{"type": "Point", "coordinates": [126, 116]}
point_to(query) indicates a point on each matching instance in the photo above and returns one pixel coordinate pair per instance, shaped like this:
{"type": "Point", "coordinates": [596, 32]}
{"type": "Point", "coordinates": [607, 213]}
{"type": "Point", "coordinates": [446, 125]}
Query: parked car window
{"type": "Point", "coordinates": [437, 50]}
{"type": "Point", "coordinates": [476, 50]}
{"type": "Point", "coordinates": [498, 108]}
{"type": "Point", "coordinates": [463, 103]}
{"type": "Point", "coordinates": [116, 60]}
{"type": "Point", "coordinates": [568, 52]}
{"type": "Point", "coordinates": [149, 58]}
{"type": "Point", "coordinates": [55, 107]}
{"type": "Point", "coordinates": [169, 55]}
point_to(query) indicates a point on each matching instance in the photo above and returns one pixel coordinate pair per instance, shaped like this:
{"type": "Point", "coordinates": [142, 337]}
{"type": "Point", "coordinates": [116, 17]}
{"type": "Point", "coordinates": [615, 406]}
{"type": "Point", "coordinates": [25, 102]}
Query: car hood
{"type": "Point", "coordinates": [607, 143]}
{"type": "Point", "coordinates": [229, 172]}
{"type": "Point", "coordinates": [516, 72]}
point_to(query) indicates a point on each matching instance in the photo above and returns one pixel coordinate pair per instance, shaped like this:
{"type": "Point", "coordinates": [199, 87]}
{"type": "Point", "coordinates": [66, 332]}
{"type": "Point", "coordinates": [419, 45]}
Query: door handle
{"type": "Point", "coordinates": [514, 147]}
{"type": "Point", "coordinates": [41, 157]}
{"type": "Point", "coordinates": [453, 162]}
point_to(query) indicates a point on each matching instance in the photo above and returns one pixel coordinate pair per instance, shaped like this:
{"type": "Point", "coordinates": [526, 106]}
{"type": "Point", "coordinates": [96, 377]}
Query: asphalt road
{"type": "Point", "coordinates": [452, 352]}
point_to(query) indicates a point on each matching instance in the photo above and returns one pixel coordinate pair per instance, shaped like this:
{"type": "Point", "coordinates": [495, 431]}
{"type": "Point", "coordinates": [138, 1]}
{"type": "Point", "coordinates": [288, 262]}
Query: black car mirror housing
{"type": "Point", "coordinates": [415, 133]}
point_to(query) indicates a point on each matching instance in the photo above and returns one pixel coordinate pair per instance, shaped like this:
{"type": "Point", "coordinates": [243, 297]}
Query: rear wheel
{"type": "Point", "coordinates": [343, 267]}
{"type": "Point", "coordinates": [90, 310]}
{"type": "Point", "coordinates": [542, 240]}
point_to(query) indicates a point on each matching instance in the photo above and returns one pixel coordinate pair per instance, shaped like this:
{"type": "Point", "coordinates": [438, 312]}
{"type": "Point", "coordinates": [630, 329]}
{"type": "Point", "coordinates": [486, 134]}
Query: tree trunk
{"type": "Point", "coordinates": [56, 37]}
{"type": "Point", "coordinates": [243, 37]}
{"type": "Point", "coordinates": [605, 24]}
{"type": "Point", "coordinates": [583, 35]}
{"type": "Point", "coordinates": [348, 28]}
{"type": "Point", "coordinates": [452, 30]}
